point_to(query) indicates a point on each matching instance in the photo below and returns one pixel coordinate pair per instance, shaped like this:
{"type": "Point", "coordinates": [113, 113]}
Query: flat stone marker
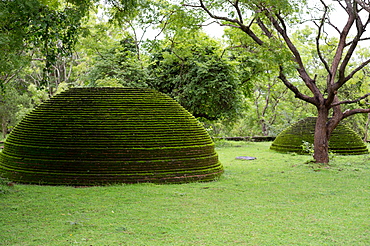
{"type": "Point", "coordinates": [245, 158]}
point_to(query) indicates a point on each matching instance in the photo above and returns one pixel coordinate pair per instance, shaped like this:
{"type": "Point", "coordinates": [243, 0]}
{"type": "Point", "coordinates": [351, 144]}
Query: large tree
{"type": "Point", "coordinates": [269, 25]}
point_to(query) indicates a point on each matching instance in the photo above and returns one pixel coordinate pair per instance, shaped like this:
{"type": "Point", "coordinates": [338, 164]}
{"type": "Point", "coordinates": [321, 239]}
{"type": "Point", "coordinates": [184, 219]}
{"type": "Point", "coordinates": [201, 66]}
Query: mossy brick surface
{"type": "Point", "coordinates": [95, 136]}
{"type": "Point", "coordinates": [343, 140]}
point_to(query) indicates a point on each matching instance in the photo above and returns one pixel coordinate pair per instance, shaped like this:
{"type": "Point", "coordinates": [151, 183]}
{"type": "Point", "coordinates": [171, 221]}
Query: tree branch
{"type": "Point", "coordinates": [360, 30]}
{"type": "Point", "coordinates": [294, 89]}
{"type": "Point", "coordinates": [320, 27]}
{"type": "Point", "coordinates": [364, 64]}
{"type": "Point", "coordinates": [364, 5]}
{"type": "Point", "coordinates": [361, 39]}
{"type": "Point", "coordinates": [263, 27]}
{"type": "Point", "coordinates": [338, 54]}
{"type": "Point", "coordinates": [236, 6]}
{"type": "Point", "coordinates": [351, 101]}
{"type": "Point", "coordinates": [243, 27]}
{"type": "Point", "coordinates": [310, 83]}
{"type": "Point", "coordinates": [348, 113]}
{"type": "Point", "coordinates": [167, 17]}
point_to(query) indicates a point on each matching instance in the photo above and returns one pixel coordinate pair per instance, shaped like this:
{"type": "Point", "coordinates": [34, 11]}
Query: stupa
{"type": "Point", "coordinates": [108, 135]}
{"type": "Point", "coordinates": [343, 140]}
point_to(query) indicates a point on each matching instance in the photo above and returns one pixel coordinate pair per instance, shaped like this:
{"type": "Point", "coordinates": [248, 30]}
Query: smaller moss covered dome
{"type": "Point", "coordinates": [343, 140]}
{"type": "Point", "coordinates": [93, 136]}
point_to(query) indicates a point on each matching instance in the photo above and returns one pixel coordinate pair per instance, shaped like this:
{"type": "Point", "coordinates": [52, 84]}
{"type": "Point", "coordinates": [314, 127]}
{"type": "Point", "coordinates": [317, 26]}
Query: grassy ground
{"type": "Point", "coordinates": [276, 199]}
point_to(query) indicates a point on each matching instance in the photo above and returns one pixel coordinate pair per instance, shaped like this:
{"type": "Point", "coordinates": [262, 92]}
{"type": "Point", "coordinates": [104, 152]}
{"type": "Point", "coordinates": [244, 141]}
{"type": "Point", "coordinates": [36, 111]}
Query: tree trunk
{"type": "Point", "coordinates": [321, 138]}
{"type": "Point", "coordinates": [264, 127]}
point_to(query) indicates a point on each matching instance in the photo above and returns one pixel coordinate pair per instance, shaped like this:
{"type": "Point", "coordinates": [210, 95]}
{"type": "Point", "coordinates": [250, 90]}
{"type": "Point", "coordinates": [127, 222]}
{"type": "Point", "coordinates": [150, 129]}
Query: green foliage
{"type": "Point", "coordinates": [261, 62]}
{"type": "Point", "coordinates": [32, 25]}
{"type": "Point", "coordinates": [192, 70]}
{"type": "Point", "coordinates": [118, 66]}
{"type": "Point", "coordinates": [93, 136]}
{"type": "Point", "coordinates": [11, 101]}
{"type": "Point", "coordinates": [16, 103]}
{"type": "Point", "coordinates": [14, 20]}
{"type": "Point", "coordinates": [307, 147]}
{"type": "Point", "coordinates": [121, 10]}
{"type": "Point", "coordinates": [39, 95]}
{"type": "Point", "coordinates": [36, 97]}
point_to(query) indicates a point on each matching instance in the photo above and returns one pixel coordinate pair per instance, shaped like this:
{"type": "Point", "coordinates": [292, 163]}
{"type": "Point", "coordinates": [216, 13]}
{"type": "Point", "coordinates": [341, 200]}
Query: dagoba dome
{"type": "Point", "coordinates": [343, 140]}
{"type": "Point", "coordinates": [97, 136]}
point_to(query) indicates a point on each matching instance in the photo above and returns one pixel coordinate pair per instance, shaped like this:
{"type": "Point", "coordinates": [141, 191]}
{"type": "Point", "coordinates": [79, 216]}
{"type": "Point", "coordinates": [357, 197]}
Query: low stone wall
{"type": "Point", "coordinates": [248, 139]}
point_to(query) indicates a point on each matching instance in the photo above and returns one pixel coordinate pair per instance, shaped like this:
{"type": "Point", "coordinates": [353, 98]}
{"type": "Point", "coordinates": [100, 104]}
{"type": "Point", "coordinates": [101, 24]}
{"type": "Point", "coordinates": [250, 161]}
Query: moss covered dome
{"type": "Point", "coordinates": [94, 136]}
{"type": "Point", "coordinates": [343, 140]}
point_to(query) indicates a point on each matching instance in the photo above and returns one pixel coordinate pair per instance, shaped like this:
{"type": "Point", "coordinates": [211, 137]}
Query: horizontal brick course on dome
{"type": "Point", "coordinates": [343, 140]}
{"type": "Point", "coordinates": [93, 136]}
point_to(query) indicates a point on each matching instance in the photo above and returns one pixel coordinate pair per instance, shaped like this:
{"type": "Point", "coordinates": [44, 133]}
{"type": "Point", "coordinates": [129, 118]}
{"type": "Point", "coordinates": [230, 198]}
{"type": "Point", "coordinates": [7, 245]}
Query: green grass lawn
{"type": "Point", "coordinates": [276, 199]}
